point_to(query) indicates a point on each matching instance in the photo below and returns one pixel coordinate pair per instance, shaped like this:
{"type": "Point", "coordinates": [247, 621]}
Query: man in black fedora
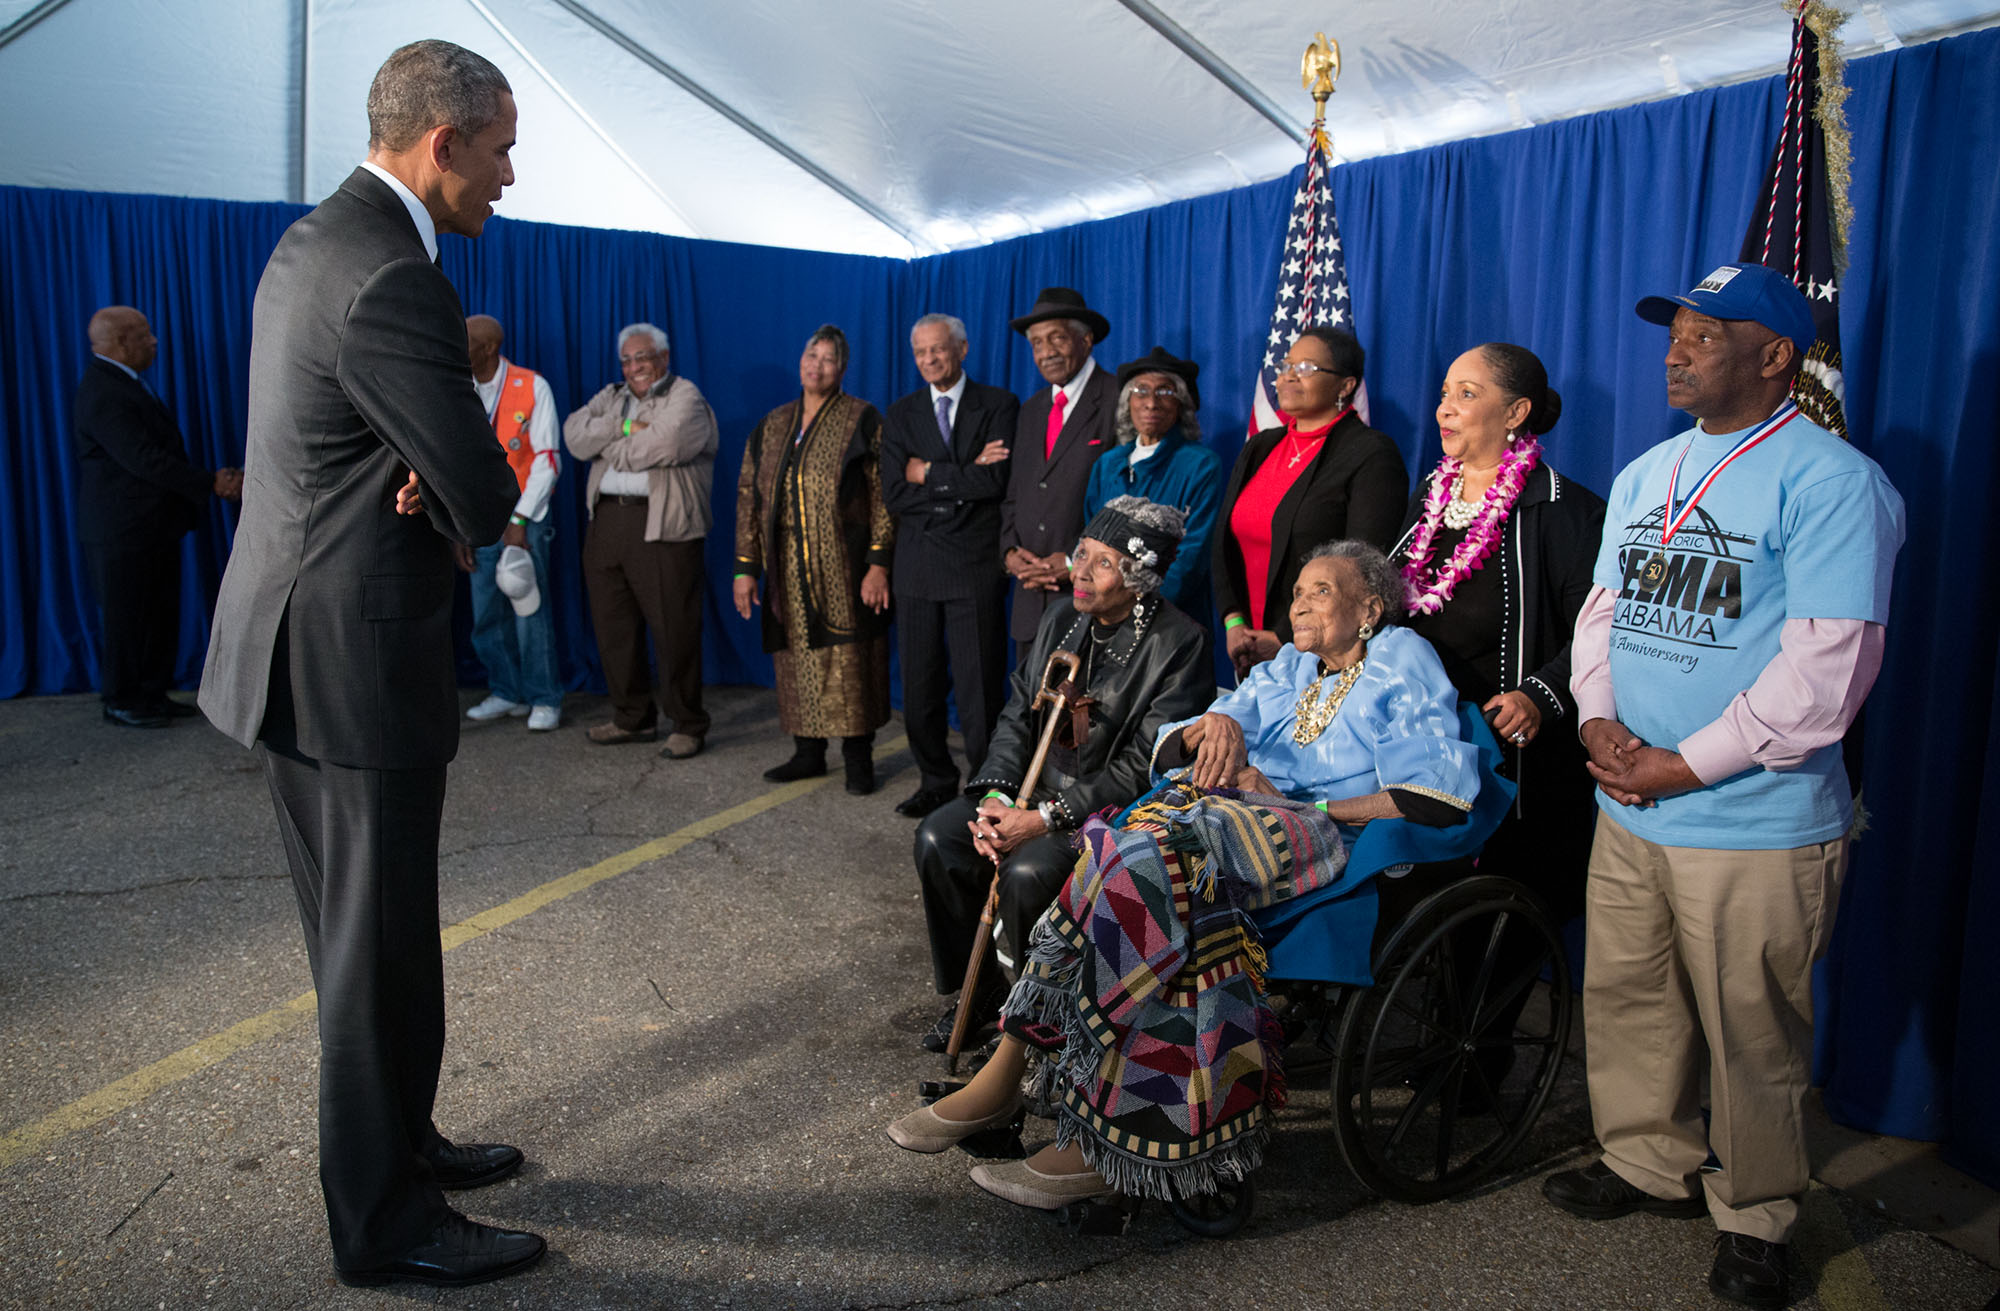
{"type": "Point", "coordinates": [1062, 430]}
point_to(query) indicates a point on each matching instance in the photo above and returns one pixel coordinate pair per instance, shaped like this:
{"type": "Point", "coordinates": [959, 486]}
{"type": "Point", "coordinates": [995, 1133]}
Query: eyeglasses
{"type": "Point", "coordinates": [1148, 393]}
{"type": "Point", "coordinates": [639, 359]}
{"type": "Point", "coordinates": [1304, 369]}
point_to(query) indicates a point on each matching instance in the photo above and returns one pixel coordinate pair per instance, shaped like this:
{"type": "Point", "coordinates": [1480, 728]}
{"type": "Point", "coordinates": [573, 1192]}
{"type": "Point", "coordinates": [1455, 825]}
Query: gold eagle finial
{"type": "Point", "coordinates": [1317, 72]}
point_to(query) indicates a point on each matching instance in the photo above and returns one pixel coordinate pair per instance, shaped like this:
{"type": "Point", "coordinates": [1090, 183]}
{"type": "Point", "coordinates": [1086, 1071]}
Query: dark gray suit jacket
{"type": "Point", "coordinates": [358, 373]}
{"type": "Point", "coordinates": [947, 529]}
{"type": "Point", "coordinates": [134, 482]}
{"type": "Point", "coordinates": [1043, 511]}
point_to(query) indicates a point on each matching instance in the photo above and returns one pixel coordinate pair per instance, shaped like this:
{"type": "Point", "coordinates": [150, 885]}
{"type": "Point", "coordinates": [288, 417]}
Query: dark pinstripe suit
{"type": "Point", "coordinates": [1043, 511]}
{"type": "Point", "coordinates": [951, 594]}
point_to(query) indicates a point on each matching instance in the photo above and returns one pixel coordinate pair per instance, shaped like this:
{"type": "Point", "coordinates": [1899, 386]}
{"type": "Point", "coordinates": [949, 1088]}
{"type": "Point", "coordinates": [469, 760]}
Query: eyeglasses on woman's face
{"type": "Point", "coordinates": [1302, 370]}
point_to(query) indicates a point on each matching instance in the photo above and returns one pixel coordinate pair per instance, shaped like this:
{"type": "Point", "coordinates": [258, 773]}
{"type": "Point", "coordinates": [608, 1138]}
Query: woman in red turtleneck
{"type": "Point", "coordinates": [1325, 475]}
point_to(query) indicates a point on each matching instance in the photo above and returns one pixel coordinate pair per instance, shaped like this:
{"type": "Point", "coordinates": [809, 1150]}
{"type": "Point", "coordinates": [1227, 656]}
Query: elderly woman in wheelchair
{"type": "Point", "coordinates": [1144, 985]}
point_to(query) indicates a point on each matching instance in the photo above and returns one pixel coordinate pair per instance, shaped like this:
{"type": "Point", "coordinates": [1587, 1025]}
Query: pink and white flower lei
{"type": "Point", "coordinates": [1429, 591]}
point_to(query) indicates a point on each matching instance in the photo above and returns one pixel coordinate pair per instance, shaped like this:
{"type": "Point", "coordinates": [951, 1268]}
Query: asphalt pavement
{"type": "Point", "coordinates": [691, 997]}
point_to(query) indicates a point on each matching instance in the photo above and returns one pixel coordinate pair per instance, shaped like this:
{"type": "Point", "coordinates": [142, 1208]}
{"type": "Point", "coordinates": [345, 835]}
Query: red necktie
{"type": "Point", "coordinates": [1056, 407]}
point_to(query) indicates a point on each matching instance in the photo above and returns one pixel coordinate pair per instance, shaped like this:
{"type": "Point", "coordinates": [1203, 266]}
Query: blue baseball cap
{"type": "Point", "coordinates": [1743, 291]}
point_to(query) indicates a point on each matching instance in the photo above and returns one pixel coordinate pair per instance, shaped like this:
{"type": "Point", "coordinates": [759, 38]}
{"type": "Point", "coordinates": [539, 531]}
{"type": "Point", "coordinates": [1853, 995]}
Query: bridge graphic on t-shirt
{"type": "Point", "coordinates": [1679, 593]}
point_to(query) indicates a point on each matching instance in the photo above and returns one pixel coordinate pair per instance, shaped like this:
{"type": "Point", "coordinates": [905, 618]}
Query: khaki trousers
{"type": "Point", "coordinates": [1703, 958]}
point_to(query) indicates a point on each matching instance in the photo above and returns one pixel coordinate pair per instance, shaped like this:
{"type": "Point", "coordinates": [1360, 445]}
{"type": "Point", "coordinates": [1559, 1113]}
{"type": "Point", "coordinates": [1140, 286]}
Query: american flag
{"type": "Point", "coordinates": [1800, 226]}
{"type": "Point", "coordinates": [1312, 284]}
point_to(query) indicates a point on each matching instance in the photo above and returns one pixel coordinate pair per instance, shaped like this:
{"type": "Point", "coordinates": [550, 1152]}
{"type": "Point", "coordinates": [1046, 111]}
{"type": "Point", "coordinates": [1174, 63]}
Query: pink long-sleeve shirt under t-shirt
{"type": "Point", "coordinates": [1802, 701]}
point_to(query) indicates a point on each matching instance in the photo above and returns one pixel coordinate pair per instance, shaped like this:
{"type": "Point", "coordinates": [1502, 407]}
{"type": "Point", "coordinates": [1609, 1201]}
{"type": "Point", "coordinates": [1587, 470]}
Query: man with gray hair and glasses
{"type": "Point", "coordinates": [944, 470]}
{"type": "Point", "coordinates": [651, 444]}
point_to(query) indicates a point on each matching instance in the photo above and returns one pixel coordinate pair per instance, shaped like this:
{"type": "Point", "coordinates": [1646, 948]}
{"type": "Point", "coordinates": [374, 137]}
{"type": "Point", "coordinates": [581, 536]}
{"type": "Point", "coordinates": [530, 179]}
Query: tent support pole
{"type": "Point", "coordinates": [1212, 64]}
{"type": "Point", "coordinates": [19, 27]}
{"type": "Point", "coordinates": [639, 52]}
{"type": "Point", "coordinates": [305, 103]}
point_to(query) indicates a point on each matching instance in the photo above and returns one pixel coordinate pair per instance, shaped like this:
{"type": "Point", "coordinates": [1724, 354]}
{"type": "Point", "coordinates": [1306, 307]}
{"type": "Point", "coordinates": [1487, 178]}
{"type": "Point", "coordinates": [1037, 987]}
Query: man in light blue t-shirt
{"type": "Point", "coordinates": [1734, 630]}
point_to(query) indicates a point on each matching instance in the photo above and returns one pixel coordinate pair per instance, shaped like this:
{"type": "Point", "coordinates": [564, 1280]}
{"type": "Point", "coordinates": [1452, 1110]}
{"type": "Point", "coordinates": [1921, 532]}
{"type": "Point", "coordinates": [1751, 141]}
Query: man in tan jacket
{"type": "Point", "coordinates": [651, 444]}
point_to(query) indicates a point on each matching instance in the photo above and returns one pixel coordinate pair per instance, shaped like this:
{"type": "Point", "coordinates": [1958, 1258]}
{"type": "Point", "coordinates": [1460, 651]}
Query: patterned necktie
{"type": "Point", "coordinates": [944, 421]}
{"type": "Point", "coordinates": [1056, 408]}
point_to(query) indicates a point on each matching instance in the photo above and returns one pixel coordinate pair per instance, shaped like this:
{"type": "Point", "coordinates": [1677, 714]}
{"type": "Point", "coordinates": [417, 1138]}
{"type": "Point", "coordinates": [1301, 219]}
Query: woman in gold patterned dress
{"type": "Point", "coordinates": [812, 529]}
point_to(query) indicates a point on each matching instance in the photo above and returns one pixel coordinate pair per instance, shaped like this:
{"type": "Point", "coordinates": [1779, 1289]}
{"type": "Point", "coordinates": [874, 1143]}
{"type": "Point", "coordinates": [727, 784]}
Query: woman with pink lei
{"type": "Point", "coordinates": [1497, 550]}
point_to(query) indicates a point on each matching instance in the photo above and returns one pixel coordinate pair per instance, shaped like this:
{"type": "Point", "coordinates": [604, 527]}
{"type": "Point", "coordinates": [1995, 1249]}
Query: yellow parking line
{"type": "Point", "coordinates": [1825, 1245]}
{"type": "Point", "coordinates": [134, 1088]}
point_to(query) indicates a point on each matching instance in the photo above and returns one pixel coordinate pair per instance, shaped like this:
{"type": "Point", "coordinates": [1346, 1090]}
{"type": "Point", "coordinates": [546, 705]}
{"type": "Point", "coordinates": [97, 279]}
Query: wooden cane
{"type": "Point", "coordinates": [1054, 693]}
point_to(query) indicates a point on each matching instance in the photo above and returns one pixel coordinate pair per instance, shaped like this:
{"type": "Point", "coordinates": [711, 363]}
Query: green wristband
{"type": "Point", "coordinates": [1235, 621]}
{"type": "Point", "coordinates": [627, 428]}
{"type": "Point", "coordinates": [996, 792]}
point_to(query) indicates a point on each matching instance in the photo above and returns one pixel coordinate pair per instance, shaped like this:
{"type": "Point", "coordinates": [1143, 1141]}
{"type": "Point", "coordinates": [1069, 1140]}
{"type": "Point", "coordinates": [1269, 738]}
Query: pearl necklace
{"type": "Point", "coordinates": [1458, 512]}
{"type": "Point", "coordinates": [1315, 714]}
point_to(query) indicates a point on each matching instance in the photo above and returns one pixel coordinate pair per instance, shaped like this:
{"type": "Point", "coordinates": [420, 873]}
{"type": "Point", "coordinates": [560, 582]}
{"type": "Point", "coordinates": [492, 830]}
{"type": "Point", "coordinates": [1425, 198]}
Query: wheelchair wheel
{"type": "Point", "coordinates": [1218, 1214]}
{"type": "Point", "coordinates": [1442, 1067]}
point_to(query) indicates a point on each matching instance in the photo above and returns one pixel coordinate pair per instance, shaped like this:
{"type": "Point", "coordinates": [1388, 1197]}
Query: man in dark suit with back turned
{"type": "Point", "coordinates": [944, 470]}
{"type": "Point", "coordinates": [369, 460]}
{"type": "Point", "coordinates": [1062, 430]}
{"type": "Point", "coordinates": [137, 494]}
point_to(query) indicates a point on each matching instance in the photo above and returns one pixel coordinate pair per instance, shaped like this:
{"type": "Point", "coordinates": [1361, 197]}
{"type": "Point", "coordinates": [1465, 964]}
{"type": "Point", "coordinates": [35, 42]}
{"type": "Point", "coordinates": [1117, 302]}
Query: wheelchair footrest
{"type": "Point", "coordinates": [1107, 1217]}
{"type": "Point", "coordinates": [1003, 1144]}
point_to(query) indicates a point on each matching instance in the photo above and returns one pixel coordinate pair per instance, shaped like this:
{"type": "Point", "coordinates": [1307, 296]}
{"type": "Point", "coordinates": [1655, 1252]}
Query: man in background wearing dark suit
{"type": "Point", "coordinates": [944, 471]}
{"type": "Point", "coordinates": [369, 460]}
{"type": "Point", "coordinates": [1062, 430]}
{"type": "Point", "coordinates": [136, 496]}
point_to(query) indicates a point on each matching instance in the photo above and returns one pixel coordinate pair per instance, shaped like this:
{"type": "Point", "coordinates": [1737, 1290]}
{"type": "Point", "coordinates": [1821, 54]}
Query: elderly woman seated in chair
{"type": "Point", "coordinates": [1142, 986]}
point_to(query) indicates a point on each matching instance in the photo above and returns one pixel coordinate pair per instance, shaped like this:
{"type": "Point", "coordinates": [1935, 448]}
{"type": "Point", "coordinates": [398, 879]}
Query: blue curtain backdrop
{"type": "Point", "coordinates": [1544, 237]}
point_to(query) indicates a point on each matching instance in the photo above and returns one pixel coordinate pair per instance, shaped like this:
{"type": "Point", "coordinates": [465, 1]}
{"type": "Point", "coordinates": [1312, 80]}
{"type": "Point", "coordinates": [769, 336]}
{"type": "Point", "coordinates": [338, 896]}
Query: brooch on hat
{"type": "Point", "coordinates": [1136, 548]}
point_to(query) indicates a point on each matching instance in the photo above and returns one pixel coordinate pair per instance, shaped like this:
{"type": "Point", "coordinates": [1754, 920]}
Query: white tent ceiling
{"type": "Point", "coordinates": [891, 127]}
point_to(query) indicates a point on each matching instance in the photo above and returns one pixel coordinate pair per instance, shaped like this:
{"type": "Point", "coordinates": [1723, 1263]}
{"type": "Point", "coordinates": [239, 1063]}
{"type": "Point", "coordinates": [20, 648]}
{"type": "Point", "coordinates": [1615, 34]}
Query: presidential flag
{"type": "Point", "coordinates": [1801, 225]}
{"type": "Point", "coordinates": [1312, 284]}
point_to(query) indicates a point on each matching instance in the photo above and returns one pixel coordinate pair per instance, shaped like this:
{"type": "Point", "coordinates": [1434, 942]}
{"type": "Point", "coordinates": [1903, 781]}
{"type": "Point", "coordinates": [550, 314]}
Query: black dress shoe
{"type": "Point", "coordinates": [474, 1165]}
{"type": "Point", "coordinates": [924, 800]}
{"type": "Point", "coordinates": [1749, 1271]}
{"type": "Point", "coordinates": [1597, 1192]}
{"type": "Point", "coordinates": [126, 717]}
{"type": "Point", "coordinates": [458, 1252]}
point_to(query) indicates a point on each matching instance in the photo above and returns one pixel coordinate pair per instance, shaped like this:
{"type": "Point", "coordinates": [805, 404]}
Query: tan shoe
{"type": "Point", "coordinates": [681, 746]}
{"type": "Point", "coordinates": [924, 1130]}
{"type": "Point", "coordinates": [1024, 1185]}
{"type": "Point", "coordinates": [608, 734]}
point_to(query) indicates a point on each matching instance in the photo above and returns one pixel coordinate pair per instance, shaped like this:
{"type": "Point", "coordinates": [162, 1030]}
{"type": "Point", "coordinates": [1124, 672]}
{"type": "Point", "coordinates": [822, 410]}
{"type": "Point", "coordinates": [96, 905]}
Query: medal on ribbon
{"type": "Point", "coordinates": [1672, 520]}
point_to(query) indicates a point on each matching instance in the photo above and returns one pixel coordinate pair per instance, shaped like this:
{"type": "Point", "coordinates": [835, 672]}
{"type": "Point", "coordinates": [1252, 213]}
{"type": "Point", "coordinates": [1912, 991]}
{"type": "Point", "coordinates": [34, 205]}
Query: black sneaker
{"type": "Point", "coordinates": [1597, 1192]}
{"type": "Point", "coordinates": [1749, 1271]}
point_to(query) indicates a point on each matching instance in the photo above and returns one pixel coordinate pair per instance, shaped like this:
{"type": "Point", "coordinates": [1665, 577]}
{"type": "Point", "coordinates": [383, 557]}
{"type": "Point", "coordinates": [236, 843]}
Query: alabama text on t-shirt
{"type": "Point", "coordinates": [1798, 526]}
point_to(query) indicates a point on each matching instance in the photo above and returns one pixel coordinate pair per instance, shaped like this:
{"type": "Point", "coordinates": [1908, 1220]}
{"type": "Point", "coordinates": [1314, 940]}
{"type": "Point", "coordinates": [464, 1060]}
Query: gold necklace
{"type": "Point", "coordinates": [1314, 714]}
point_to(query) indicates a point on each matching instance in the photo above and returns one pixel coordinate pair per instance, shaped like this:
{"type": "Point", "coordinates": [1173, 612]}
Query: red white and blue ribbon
{"type": "Point", "coordinates": [1674, 519]}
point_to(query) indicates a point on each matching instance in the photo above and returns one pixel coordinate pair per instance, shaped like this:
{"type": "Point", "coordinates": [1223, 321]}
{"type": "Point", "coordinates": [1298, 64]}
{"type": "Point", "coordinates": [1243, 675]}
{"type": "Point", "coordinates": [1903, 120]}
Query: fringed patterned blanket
{"type": "Point", "coordinates": [1144, 980]}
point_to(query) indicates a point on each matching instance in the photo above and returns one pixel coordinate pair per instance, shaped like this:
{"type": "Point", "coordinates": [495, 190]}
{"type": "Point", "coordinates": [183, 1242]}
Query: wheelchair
{"type": "Point", "coordinates": [1446, 1025]}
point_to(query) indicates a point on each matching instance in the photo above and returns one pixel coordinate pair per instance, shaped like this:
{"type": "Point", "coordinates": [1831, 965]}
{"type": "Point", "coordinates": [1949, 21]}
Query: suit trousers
{"type": "Point", "coordinates": [956, 880]}
{"type": "Point", "coordinates": [637, 585]}
{"type": "Point", "coordinates": [957, 646]}
{"type": "Point", "coordinates": [363, 848]}
{"type": "Point", "coordinates": [1698, 959]}
{"type": "Point", "coordinates": [137, 581]}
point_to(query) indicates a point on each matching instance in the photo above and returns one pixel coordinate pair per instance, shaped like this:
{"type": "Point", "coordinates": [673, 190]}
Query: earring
{"type": "Point", "coordinates": [1513, 437]}
{"type": "Point", "coordinates": [1366, 632]}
